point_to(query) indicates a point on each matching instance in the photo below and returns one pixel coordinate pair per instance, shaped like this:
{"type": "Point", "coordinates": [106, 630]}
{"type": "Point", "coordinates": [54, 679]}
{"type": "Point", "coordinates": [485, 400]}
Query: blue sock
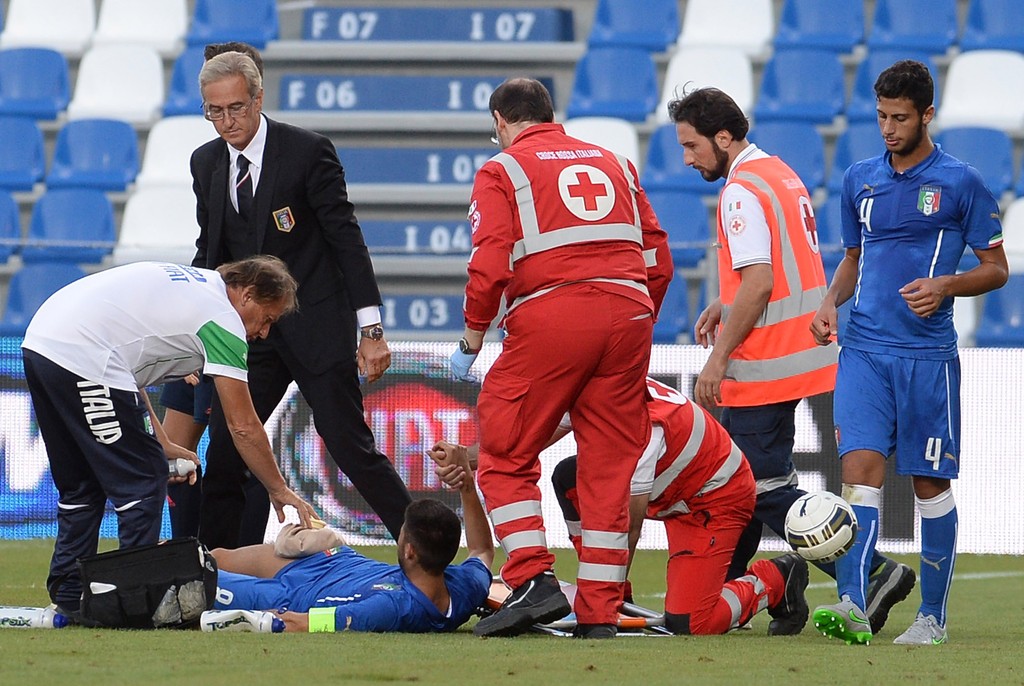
{"type": "Point", "coordinates": [852, 569]}
{"type": "Point", "coordinates": [938, 552]}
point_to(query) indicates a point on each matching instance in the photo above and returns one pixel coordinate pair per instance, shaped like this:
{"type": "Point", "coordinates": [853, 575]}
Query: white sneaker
{"type": "Point", "coordinates": [925, 631]}
{"type": "Point", "coordinates": [241, 620]}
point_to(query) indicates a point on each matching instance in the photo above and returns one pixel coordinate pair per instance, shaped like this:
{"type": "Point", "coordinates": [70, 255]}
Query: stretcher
{"type": "Point", "coordinates": [634, 620]}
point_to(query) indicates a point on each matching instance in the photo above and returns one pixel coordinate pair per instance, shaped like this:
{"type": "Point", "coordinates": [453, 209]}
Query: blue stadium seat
{"type": "Point", "coordinates": [422, 313]}
{"type": "Point", "coordinates": [798, 144]}
{"type": "Point", "coordinates": [685, 218]}
{"type": "Point", "coordinates": [990, 151]}
{"type": "Point", "coordinates": [994, 25]}
{"type": "Point", "coordinates": [863, 106]}
{"type": "Point", "coordinates": [10, 226]}
{"type": "Point", "coordinates": [474, 25]}
{"type": "Point", "coordinates": [828, 222]}
{"type": "Point", "coordinates": [417, 237]}
{"type": "Point", "coordinates": [928, 25]}
{"type": "Point", "coordinates": [250, 21]}
{"type": "Point", "coordinates": [664, 168]}
{"type": "Point", "coordinates": [859, 141]}
{"type": "Point", "coordinates": [836, 25]}
{"type": "Point", "coordinates": [801, 85]}
{"type": "Point", "coordinates": [70, 225]}
{"type": "Point", "coordinates": [183, 96]}
{"type": "Point", "coordinates": [618, 22]}
{"type": "Point", "coordinates": [614, 82]}
{"type": "Point", "coordinates": [413, 165]}
{"type": "Point", "coordinates": [1002, 316]}
{"type": "Point", "coordinates": [33, 83]}
{"type": "Point", "coordinates": [321, 92]}
{"type": "Point", "coordinates": [95, 153]}
{"type": "Point", "coordinates": [674, 317]}
{"type": "Point", "coordinates": [29, 288]}
{"type": "Point", "coordinates": [22, 160]}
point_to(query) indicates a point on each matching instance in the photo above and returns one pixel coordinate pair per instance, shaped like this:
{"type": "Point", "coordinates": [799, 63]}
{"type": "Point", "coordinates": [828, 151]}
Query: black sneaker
{"type": "Point", "coordinates": [790, 614]}
{"type": "Point", "coordinates": [889, 584]}
{"type": "Point", "coordinates": [539, 601]}
{"type": "Point", "coordinates": [595, 631]}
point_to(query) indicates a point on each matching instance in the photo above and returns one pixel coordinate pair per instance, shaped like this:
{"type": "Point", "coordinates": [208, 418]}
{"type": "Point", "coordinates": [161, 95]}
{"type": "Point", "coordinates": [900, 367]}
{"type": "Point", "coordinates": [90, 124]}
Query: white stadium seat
{"type": "Point", "coordinates": [169, 147]}
{"type": "Point", "coordinates": [119, 82]}
{"type": "Point", "coordinates": [745, 24]}
{"type": "Point", "coordinates": [63, 25]}
{"type": "Point", "coordinates": [984, 88]}
{"type": "Point", "coordinates": [158, 224]}
{"type": "Point", "coordinates": [617, 135]}
{"type": "Point", "coordinates": [159, 24]}
{"type": "Point", "coordinates": [726, 68]}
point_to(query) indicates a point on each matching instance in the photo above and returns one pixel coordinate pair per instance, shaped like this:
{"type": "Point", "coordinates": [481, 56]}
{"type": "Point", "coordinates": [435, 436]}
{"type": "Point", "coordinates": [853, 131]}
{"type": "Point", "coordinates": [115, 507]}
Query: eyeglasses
{"type": "Point", "coordinates": [239, 109]}
{"type": "Point", "coordinates": [494, 133]}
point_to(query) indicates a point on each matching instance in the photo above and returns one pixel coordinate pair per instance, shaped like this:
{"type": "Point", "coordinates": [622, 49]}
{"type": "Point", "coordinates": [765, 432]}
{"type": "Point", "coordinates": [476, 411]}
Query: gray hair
{"type": "Point", "coordinates": [228, 64]}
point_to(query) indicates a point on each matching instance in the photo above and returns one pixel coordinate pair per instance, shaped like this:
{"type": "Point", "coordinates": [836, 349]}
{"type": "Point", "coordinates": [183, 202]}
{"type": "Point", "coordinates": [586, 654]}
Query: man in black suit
{"type": "Point", "coordinates": [268, 187]}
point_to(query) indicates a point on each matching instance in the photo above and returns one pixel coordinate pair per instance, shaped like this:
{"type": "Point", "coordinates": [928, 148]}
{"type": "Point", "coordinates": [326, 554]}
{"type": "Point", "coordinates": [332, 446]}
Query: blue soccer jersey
{"type": "Point", "coordinates": [368, 595]}
{"type": "Point", "coordinates": [911, 225]}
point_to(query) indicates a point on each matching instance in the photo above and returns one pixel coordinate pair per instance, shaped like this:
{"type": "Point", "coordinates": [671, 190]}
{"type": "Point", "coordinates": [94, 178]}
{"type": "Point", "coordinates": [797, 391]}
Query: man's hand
{"type": "Point", "coordinates": [452, 464]}
{"type": "Point", "coordinates": [707, 323]}
{"type": "Point", "coordinates": [373, 358]}
{"type": "Point", "coordinates": [460, 363]}
{"type": "Point", "coordinates": [283, 496]}
{"type": "Point", "coordinates": [824, 325]}
{"type": "Point", "coordinates": [293, 621]}
{"type": "Point", "coordinates": [923, 296]}
{"type": "Point", "coordinates": [708, 389]}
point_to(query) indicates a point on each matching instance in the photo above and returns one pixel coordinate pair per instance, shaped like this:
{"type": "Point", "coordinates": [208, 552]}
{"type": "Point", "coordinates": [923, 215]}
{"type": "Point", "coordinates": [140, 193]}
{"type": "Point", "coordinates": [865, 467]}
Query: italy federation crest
{"type": "Point", "coordinates": [928, 199]}
{"type": "Point", "coordinates": [284, 220]}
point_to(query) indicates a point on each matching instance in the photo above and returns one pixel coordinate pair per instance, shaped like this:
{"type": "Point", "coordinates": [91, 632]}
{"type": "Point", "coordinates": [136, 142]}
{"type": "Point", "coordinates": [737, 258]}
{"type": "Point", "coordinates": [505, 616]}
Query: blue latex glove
{"type": "Point", "coordinates": [459, 365]}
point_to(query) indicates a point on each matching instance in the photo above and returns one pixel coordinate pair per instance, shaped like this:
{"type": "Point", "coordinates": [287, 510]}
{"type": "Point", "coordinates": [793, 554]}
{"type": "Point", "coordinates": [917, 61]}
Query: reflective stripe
{"type": "Point", "coordinates": [689, 451]}
{"type": "Point", "coordinates": [651, 257]}
{"type": "Point", "coordinates": [610, 540]}
{"type": "Point", "coordinates": [791, 307]}
{"type": "Point", "coordinates": [775, 483]}
{"type": "Point", "coordinates": [573, 528]}
{"type": "Point", "coordinates": [571, 235]}
{"type": "Point", "coordinates": [513, 511]}
{"type": "Point", "coordinates": [776, 368]}
{"type": "Point", "coordinates": [725, 472]}
{"type": "Point", "coordinates": [524, 539]}
{"type": "Point", "coordinates": [543, 291]}
{"type": "Point", "coordinates": [591, 571]}
{"type": "Point", "coordinates": [523, 191]}
{"type": "Point", "coordinates": [733, 601]}
{"type": "Point", "coordinates": [633, 190]}
{"type": "Point", "coordinates": [678, 508]}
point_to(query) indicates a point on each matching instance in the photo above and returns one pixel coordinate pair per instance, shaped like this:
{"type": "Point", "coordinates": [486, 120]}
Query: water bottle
{"type": "Point", "coordinates": [241, 620]}
{"type": "Point", "coordinates": [181, 467]}
{"type": "Point", "coordinates": [31, 618]}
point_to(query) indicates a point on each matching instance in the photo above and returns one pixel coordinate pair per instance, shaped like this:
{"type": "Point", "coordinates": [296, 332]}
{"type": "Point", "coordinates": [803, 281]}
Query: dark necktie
{"type": "Point", "coordinates": [243, 187]}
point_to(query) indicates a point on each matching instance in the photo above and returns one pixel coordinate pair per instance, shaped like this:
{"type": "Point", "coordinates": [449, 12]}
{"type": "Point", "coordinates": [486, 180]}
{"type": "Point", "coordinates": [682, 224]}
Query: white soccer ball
{"type": "Point", "coordinates": [821, 526]}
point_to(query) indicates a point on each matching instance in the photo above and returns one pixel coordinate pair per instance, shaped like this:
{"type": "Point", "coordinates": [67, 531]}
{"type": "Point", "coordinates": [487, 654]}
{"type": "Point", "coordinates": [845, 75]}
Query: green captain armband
{"type": "Point", "coordinates": [321, 620]}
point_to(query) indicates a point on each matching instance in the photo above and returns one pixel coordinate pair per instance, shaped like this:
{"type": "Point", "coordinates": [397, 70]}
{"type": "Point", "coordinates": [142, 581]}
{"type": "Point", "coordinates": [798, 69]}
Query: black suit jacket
{"type": "Point", "coordinates": [301, 183]}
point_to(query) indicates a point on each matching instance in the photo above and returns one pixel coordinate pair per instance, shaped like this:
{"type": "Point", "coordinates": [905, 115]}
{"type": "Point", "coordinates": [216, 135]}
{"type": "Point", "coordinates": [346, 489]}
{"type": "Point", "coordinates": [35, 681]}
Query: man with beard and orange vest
{"type": "Point", "coordinates": [764, 359]}
{"type": "Point", "coordinates": [562, 230]}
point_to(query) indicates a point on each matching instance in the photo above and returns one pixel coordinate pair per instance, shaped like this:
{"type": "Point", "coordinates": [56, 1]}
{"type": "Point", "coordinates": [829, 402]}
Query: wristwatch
{"type": "Point", "coordinates": [374, 333]}
{"type": "Point", "coordinates": [465, 349]}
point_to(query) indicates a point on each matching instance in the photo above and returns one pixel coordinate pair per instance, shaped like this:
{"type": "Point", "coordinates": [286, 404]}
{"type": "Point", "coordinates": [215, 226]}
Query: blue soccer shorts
{"type": "Point", "coordinates": [900, 406]}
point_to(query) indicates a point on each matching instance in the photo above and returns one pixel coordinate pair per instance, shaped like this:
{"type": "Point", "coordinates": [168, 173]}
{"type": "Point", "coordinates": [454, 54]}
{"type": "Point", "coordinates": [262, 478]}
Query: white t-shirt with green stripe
{"type": "Point", "coordinates": [142, 324]}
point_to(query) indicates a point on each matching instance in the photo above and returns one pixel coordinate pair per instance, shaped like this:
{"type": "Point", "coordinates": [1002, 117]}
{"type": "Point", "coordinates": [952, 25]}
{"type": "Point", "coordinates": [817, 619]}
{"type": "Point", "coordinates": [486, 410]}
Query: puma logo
{"type": "Point", "coordinates": [931, 563]}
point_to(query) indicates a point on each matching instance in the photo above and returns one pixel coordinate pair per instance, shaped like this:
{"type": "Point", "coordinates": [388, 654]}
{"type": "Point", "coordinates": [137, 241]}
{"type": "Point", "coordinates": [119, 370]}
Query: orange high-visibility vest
{"type": "Point", "coordinates": [779, 360]}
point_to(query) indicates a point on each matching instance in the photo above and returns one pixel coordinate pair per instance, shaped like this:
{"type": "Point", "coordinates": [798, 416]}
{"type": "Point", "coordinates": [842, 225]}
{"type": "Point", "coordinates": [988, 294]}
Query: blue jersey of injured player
{"type": "Point", "coordinates": [369, 595]}
{"type": "Point", "coordinates": [911, 225]}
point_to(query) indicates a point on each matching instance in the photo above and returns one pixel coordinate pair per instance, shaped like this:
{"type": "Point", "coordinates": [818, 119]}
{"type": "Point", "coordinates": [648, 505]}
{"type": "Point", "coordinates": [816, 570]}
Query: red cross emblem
{"type": "Point", "coordinates": [586, 189]}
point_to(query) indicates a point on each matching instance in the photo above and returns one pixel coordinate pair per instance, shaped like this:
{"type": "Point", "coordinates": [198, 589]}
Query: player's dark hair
{"type": "Point", "coordinates": [268, 276]}
{"type": "Point", "coordinates": [708, 111]}
{"type": "Point", "coordinates": [434, 531]}
{"type": "Point", "coordinates": [522, 100]}
{"type": "Point", "coordinates": [214, 49]}
{"type": "Point", "coordinates": [908, 79]}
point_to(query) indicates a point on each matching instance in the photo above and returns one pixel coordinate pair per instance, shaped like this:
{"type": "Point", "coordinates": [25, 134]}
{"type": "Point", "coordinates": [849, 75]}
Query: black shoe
{"type": "Point", "coordinates": [887, 585]}
{"type": "Point", "coordinates": [595, 631]}
{"type": "Point", "coordinates": [539, 601]}
{"type": "Point", "coordinates": [790, 614]}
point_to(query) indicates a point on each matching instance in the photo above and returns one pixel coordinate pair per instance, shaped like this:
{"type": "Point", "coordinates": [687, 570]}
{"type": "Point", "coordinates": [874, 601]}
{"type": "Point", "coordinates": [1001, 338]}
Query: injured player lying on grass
{"type": "Point", "coordinates": [334, 588]}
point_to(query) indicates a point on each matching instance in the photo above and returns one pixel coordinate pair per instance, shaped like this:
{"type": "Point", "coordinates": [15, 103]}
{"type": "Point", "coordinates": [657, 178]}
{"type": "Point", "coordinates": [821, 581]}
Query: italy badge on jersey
{"type": "Point", "coordinates": [928, 198]}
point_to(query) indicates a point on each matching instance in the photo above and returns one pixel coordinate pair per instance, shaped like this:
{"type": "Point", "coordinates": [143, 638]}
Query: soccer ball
{"type": "Point", "coordinates": [821, 526]}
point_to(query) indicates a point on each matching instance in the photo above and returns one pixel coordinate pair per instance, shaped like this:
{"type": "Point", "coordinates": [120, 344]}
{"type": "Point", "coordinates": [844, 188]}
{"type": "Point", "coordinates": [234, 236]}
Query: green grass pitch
{"type": "Point", "coordinates": [986, 644]}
